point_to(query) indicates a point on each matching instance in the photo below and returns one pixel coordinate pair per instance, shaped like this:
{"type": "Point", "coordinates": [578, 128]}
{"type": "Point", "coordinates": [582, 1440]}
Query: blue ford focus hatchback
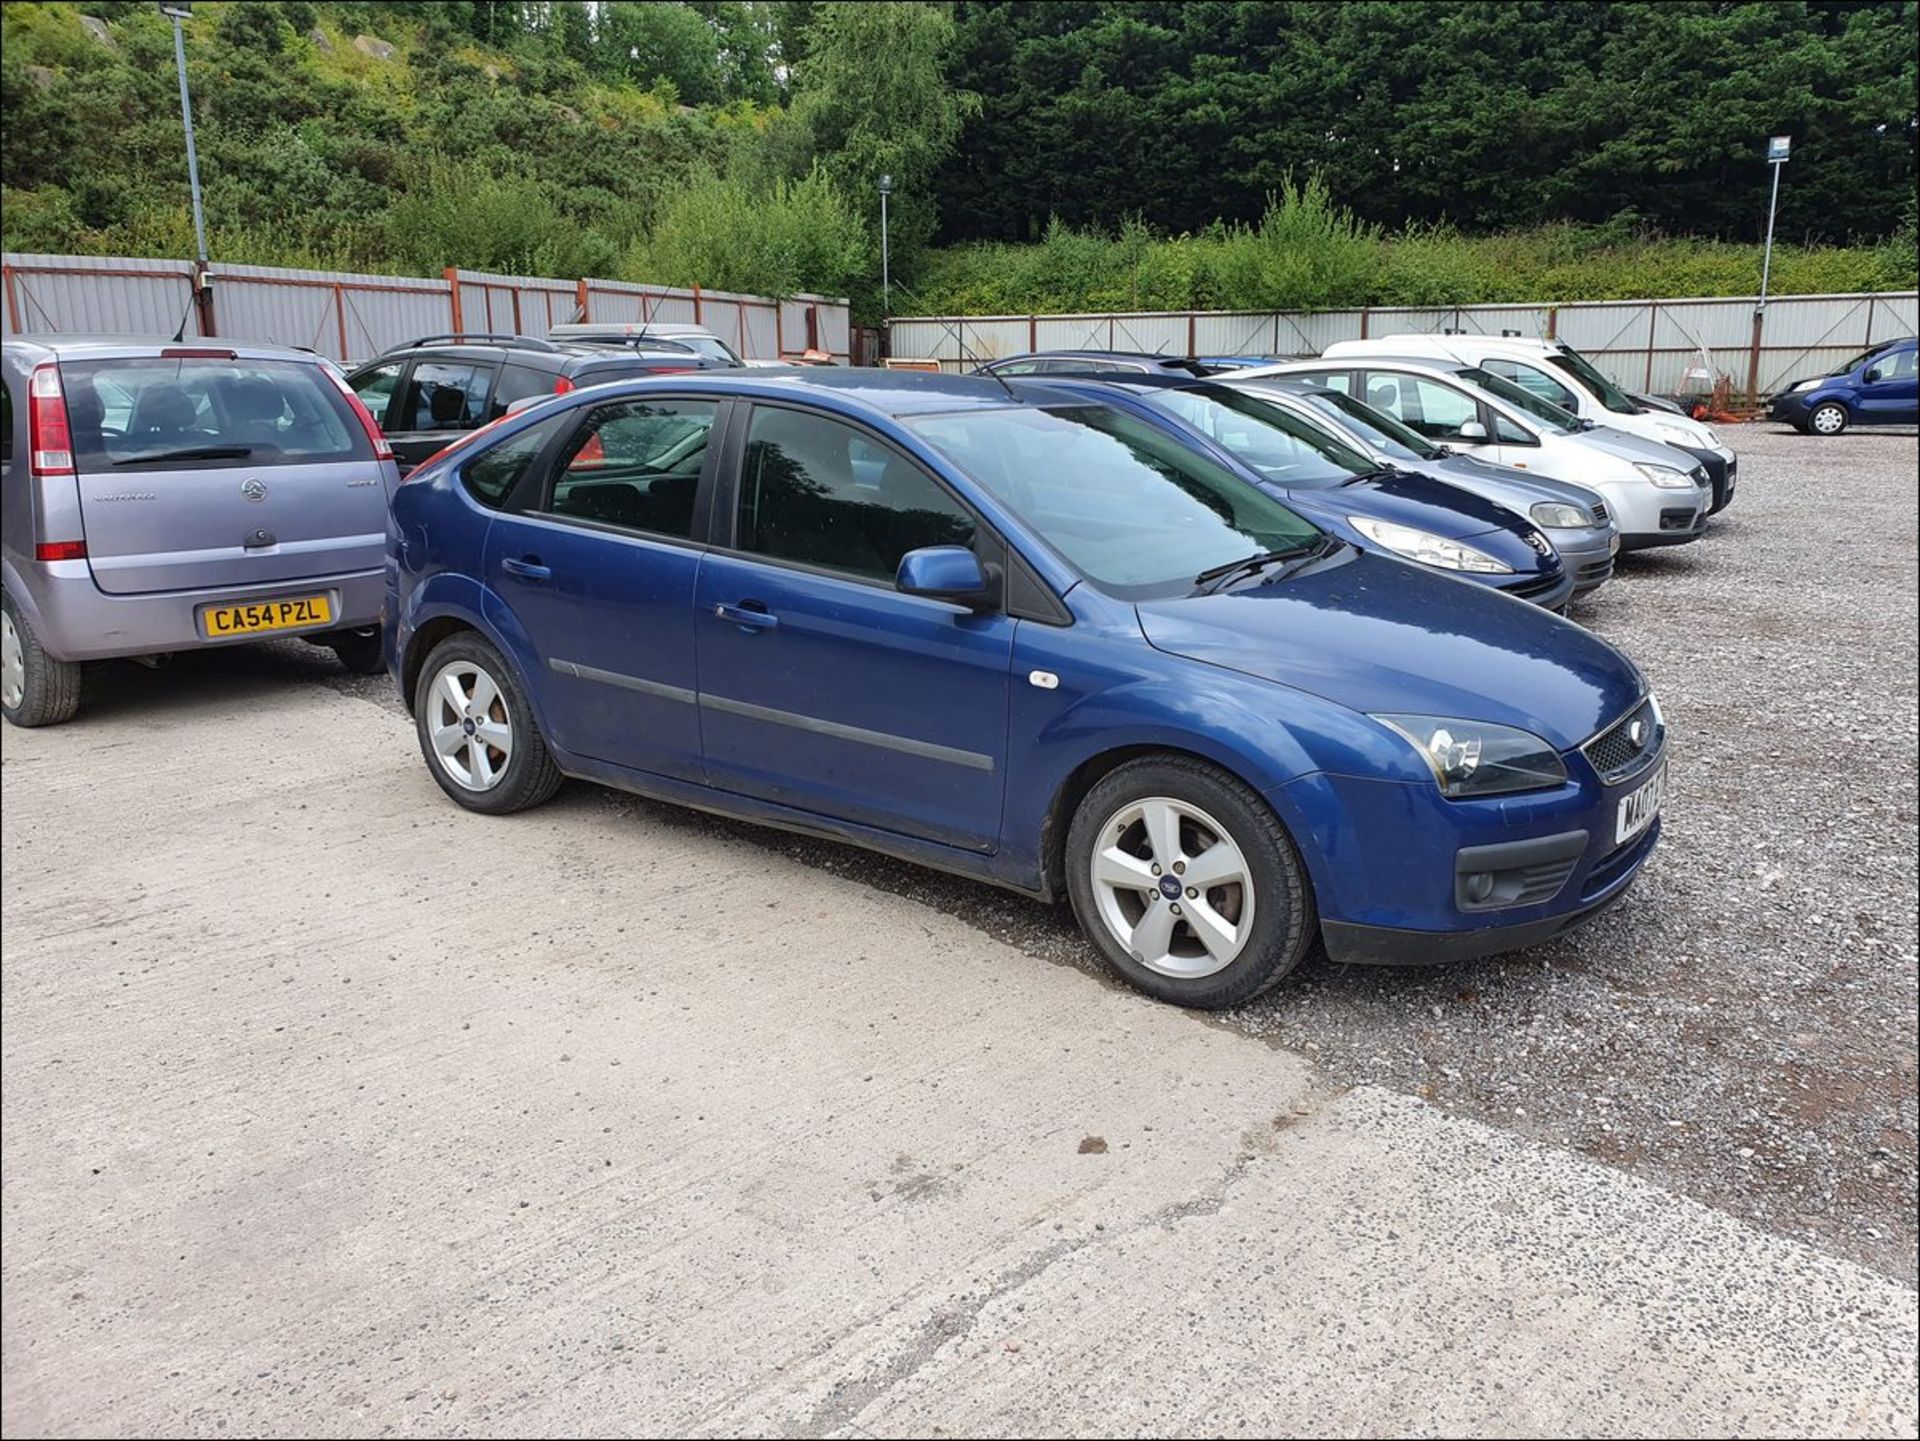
{"type": "Point", "coordinates": [1028, 637]}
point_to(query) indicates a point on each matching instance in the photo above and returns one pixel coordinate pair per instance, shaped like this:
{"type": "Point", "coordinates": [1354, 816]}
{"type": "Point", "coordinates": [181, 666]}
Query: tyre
{"type": "Point", "coordinates": [359, 650]}
{"type": "Point", "coordinates": [477, 730]}
{"type": "Point", "coordinates": [35, 689]}
{"type": "Point", "coordinates": [1187, 883]}
{"type": "Point", "coordinates": [1828, 419]}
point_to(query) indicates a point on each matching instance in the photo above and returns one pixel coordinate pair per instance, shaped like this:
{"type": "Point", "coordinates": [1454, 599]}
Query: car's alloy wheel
{"type": "Point", "coordinates": [1172, 887]}
{"type": "Point", "coordinates": [1828, 419]}
{"type": "Point", "coordinates": [470, 726]}
{"type": "Point", "coordinates": [13, 664]}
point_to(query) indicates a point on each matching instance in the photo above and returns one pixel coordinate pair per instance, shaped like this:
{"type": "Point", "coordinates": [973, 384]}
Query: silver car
{"type": "Point", "coordinates": [1574, 518]}
{"type": "Point", "coordinates": [162, 496]}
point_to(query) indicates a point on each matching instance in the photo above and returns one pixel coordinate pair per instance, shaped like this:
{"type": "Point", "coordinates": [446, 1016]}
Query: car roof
{"type": "Point", "coordinates": [1438, 365]}
{"type": "Point", "coordinates": [105, 345]}
{"type": "Point", "coordinates": [579, 329]}
{"type": "Point", "coordinates": [885, 393]}
{"type": "Point", "coordinates": [1153, 357]}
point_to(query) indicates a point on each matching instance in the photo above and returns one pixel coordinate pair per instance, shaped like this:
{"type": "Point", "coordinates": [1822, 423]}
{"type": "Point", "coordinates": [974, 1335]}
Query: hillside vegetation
{"type": "Point", "coordinates": [1043, 157]}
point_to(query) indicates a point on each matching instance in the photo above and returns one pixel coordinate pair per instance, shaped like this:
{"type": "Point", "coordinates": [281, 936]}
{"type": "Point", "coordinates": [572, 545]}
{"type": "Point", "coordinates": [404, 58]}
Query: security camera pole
{"type": "Point", "coordinates": [886, 278]}
{"type": "Point", "coordinates": [176, 11]}
{"type": "Point", "coordinates": [1777, 148]}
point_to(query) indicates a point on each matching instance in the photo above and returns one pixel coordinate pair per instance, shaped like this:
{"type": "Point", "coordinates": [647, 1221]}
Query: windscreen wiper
{"type": "Point", "coordinates": [194, 452]}
{"type": "Point", "coordinates": [1385, 472]}
{"type": "Point", "coordinates": [1211, 580]}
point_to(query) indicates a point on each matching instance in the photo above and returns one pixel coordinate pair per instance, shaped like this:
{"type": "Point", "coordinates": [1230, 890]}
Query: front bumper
{"type": "Point", "coordinates": [76, 620]}
{"type": "Point", "coordinates": [1790, 407]}
{"type": "Point", "coordinates": [1723, 472]}
{"type": "Point", "coordinates": [1390, 859]}
{"type": "Point", "coordinates": [1587, 554]}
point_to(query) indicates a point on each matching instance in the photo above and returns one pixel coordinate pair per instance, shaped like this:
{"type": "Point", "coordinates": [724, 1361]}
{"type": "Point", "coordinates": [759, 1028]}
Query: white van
{"type": "Point", "coordinates": [1561, 376]}
{"type": "Point", "coordinates": [1658, 494]}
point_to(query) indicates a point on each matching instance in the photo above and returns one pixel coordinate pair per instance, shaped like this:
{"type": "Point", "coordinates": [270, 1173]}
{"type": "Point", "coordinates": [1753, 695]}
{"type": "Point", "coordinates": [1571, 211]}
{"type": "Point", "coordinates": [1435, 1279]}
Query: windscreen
{"type": "Point", "coordinates": [206, 411]}
{"type": "Point", "coordinates": [1375, 427]}
{"type": "Point", "coordinates": [1582, 370]}
{"type": "Point", "coordinates": [1124, 503]}
{"type": "Point", "coordinates": [1287, 449]}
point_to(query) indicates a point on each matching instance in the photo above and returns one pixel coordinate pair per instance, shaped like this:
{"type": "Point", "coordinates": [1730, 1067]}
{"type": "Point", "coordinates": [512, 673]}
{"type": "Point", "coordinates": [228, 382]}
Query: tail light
{"type": "Point", "coordinates": [60, 550]}
{"type": "Point", "coordinates": [382, 448]}
{"type": "Point", "coordinates": [49, 437]}
{"type": "Point", "coordinates": [561, 385]}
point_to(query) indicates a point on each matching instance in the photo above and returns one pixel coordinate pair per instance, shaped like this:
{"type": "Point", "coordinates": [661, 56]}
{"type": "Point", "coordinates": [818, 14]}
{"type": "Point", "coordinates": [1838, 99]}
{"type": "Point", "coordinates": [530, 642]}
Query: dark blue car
{"type": "Point", "coordinates": [1395, 512]}
{"type": "Point", "coordinates": [1034, 639]}
{"type": "Point", "coordinates": [1880, 386]}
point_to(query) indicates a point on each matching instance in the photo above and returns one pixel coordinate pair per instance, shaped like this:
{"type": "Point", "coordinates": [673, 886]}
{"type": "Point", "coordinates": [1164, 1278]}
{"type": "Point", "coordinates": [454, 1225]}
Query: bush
{"type": "Point", "coordinates": [725, 233]}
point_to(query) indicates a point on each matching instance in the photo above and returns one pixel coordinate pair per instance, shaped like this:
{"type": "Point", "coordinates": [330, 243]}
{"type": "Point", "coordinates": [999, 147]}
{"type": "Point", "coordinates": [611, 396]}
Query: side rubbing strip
{"type": "Point", "coordinates": [926, 749]}
{"type": "Point", "coordinates": [625, 682]}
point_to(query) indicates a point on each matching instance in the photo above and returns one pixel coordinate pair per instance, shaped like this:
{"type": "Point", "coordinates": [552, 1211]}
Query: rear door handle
{"type": "Point", "coordinates": [748, 615]}
{"type": "Point", "coordinates": [528, 568]}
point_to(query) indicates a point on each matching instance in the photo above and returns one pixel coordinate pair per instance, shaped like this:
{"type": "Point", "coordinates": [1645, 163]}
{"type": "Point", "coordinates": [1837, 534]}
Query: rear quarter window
{"type": "Point", "coordinates": [155, 413]}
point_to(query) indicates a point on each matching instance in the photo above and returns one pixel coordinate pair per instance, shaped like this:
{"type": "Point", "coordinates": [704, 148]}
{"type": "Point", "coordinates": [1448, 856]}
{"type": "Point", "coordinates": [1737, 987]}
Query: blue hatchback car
{"type": "Point", "coordinates": [1030, 638]}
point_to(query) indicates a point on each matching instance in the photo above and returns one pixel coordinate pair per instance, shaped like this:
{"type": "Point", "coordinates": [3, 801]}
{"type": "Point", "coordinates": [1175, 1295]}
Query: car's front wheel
{"type": "Point", "coordinates": [477, 730]}
{"type": "Point", "coordinates": [1187, 883]}
{"type": "Point", "coordinates": [35, 688]}
{"type": "Point", "coordinates": [1828, 419]}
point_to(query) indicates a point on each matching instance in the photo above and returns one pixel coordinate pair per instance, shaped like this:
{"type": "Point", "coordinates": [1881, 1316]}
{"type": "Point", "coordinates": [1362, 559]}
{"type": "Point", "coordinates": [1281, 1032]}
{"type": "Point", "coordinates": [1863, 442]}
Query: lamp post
{"type": "Point", "coordinates": [176, 11]}
{"type": "Point", "coordinates": [886, 273]}
{"type": "Point", "coordinates": [1778, 147]}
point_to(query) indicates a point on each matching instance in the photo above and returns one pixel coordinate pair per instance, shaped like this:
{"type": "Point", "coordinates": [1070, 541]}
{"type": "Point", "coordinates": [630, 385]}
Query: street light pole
{"type": "Point", "coordinates": [886, 267]}
{"type": "Point", "coordinates": [176, 12]}
{"type": "Point", "coordinates": [1778, 148]}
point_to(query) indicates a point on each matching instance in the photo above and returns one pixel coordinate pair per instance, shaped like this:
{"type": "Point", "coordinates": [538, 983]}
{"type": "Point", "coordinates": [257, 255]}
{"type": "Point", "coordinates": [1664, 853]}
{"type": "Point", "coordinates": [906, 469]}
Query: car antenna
{"type": "Point", "coordinates": [180, 333]}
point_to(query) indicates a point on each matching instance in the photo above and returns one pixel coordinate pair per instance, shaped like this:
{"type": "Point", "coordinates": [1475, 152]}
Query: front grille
{"type": "Point", "coordinates": [1599, 512]}
{"type": "Point", "coordinates": [1542, 882]}
{"type": "Point", "coordinates": [1593, 572]}
{"type": "Point", "coordinates": [1616, 755]}
{"type": "Point", "coordinates": [1532, 588]}
{"type": "Point", "coordinates": [1678, 519]}
{"type": "Point", "coordinates": [1610, 867]}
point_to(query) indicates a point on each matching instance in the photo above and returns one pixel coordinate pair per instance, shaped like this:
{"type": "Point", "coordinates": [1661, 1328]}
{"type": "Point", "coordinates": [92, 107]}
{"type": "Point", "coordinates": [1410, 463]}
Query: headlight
{"type": "Point", "coordinates": [1427, 548]}
{"type": "Point", "coordinates": [1558, 516]}
{"type": "Point", "coordinates": [1800, 385]}
{"type": "Point", "coordinates": [1674, 435]}
{"type": "Point", "coordinates": [1665, 476]}
{"type": "Point", "coordinates": [1478, 758]}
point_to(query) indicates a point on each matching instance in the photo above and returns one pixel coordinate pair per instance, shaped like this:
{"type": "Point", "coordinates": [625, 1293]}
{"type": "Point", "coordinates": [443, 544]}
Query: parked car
{"type": "Point", "coordinates": [1093, 362]}
{"type": "Point", "coordinates": [1657, 495]}
{"type": "Point", "coordinates": [1279, 446]}
{"type": "Point", "coordinates": [696, 338]}
{"type": "Point", "coordinates": [429, 392]}
{"type": "Point", "coordinates": [1876, 387]}
{"type": "Point", "coordinates": [158, 497]}
{"type": "Point", "coordinates": [1560, 375]}
{"type": "Point", "coordinates": [1215, 364]}
{"type": "Point", "coordinates": [1574, 518]}
{"type": "Point", "coordinates": [1034, 639]}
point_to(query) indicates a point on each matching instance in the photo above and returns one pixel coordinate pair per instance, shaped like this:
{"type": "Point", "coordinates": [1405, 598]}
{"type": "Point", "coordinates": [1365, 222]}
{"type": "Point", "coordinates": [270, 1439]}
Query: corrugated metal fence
{"type": "Point", "coordinates": [353, 317]}
{"type": "Point", "coordinates": [1644, 345]}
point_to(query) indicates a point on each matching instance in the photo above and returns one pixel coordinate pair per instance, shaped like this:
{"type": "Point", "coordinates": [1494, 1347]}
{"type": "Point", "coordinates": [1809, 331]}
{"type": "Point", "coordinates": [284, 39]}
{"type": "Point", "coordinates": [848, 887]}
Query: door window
{"type": "Point", "coordinates": [1508, 433]}
{"type": "Point", "coordinates": [636, 464]}
{"type": "Point", "coordinates": [1436, 411]}
{"type": "Point", "coordinates": [821, 493]}
{"type": "Point", "coordinates": [375, 388]}
{"type": "Point", "coordinates": [1892, 367]}
{"type": "Point", "coordinates": [6, 424]}
{"type": "Point", "coordinates": [490, 476]}
{"type": "Point", "coordinates": [445, 395]}
{"type": "Point", "coordinates": [1534, 382]}
{"type": "Point", "coordinates": [1020, 367]}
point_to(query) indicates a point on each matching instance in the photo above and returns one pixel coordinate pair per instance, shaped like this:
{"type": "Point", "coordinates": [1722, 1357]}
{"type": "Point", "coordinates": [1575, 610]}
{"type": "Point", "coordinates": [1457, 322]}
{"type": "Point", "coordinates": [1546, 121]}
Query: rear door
{"type": "Point", "coordinates": [443, 398]}
{"type": "Point", "coordinates": [197, 469]}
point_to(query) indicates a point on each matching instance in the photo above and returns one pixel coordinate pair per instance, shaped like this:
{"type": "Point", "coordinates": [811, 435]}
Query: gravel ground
{"type": "Point", "coordinates": [1741, 1027]}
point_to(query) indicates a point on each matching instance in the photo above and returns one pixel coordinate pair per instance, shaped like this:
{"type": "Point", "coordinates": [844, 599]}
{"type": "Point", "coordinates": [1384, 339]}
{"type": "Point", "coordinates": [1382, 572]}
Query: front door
{"type": "Point", "coordinates": [598, 570]}
{"type": "Point", "coordinates": [441, 400]}
{"type": "Point", "coordinates": [1888, 391]}
{"type": "Point", "coordinates": [821, 686]}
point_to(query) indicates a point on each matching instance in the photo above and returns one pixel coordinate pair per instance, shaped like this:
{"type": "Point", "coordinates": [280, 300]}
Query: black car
{"type": "Point", "coordinates": [429, 392]}
{"type": "Point", "coordinates": [1095, 362]}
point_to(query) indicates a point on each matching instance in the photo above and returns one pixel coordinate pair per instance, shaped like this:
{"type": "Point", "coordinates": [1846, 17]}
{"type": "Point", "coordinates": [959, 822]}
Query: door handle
{"type": "Point", "coordinates": [748, 615]}
{"type": "Point", "coordinates": [527, 567]}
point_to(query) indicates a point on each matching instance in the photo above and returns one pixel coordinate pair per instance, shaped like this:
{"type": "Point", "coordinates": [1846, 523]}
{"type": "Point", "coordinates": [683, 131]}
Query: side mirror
{"type": "Point", "coordinates": [1472, 430]}
{"type": "Point", "coordinates": [1873, 374]}
{"type": "Point", "coordinates": [951, 573]}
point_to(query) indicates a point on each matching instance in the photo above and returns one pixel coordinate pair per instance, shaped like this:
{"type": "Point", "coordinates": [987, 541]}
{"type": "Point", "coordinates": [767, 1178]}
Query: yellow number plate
{"type": "Point", "coordinates": [294, 613]}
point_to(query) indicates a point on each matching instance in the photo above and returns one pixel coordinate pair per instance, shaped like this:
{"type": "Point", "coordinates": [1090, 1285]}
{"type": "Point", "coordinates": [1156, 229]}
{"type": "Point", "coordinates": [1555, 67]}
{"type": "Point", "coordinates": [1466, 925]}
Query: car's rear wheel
{"type": "Point", "coordinates": [1187, 883]}
{"type": "Point", "coordinates": [477, 730]}
{"type": "Point", "coordinates": [359, 650]}
{"type": "Point", "coordinates": [35, 688]}
{"type": "Point", "coordinates": [1828, 419]}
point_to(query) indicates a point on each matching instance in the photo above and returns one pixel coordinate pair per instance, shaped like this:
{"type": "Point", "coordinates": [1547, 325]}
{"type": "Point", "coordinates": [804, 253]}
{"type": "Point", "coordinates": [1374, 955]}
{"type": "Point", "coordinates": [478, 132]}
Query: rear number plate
{"type": "Point", "coordinates": [294, 613]}
{"type": "Point", "coordinates": [1637, 811]}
